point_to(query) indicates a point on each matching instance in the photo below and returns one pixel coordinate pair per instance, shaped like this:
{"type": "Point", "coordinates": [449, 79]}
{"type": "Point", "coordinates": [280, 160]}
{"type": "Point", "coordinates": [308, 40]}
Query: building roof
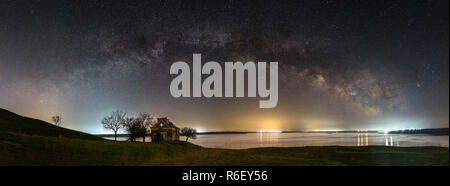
{"type": "Point", "coordinates": [163, 123]}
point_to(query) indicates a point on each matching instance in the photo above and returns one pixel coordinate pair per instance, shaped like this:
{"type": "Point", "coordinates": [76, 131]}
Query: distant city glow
{"type": "Point", "coordinates": [269, 131]}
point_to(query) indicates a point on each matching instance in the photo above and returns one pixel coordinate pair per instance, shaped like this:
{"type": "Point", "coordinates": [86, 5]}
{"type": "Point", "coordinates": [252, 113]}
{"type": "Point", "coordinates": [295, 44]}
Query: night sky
{"type": "Point", "coordinates": [353, 64]}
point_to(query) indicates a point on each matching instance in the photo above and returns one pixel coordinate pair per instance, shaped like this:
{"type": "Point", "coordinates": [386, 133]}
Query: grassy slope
{"type": "Point", "coordinates": [33, 142]}
{"type": "Point", "coordinates": [11, 122]}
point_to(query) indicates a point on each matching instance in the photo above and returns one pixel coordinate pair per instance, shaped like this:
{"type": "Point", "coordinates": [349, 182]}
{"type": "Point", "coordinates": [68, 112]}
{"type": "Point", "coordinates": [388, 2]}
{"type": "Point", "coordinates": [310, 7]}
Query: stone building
{"type": "Point", "coordinates": [164, 130]}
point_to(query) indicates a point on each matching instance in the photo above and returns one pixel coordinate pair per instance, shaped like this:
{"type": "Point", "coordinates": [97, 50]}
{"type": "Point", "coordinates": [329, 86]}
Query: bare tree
{"type": "Point", "coordinates": [189, 133]}
{"type": "Point", "coordinates": [114, 122]}
{"type": "Point", "coordinates": [145, 120]}
{"type": "Point", "coordinates": [133, 127]}
{"type": "Point", "coordinates": [56, 120]}
{"type": "Point", "coordinates": [138, 126]}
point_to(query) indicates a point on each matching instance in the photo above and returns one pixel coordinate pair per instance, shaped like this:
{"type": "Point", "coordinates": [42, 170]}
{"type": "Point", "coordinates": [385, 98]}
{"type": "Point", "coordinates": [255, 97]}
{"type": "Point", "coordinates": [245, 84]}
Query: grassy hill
{"type": "Point", "coordinates": [25, 141]}
{"type": "Point", "coordinates": [11, 122]}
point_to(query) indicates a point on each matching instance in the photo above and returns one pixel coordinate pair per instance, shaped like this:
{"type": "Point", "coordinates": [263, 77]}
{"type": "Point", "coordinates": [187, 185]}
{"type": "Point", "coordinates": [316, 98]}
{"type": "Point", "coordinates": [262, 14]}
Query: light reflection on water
{"type": "Point", "coordinates": [254, 140]}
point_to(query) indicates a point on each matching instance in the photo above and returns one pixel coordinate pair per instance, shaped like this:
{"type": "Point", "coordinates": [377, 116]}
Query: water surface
{"type": "Point", "coordinates": [254, 140]}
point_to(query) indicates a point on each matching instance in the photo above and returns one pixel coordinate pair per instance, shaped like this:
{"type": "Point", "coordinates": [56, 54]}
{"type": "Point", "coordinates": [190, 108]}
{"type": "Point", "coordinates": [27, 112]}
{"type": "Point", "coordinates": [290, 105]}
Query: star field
{"type": "Point", "coordinates": [343, 65]}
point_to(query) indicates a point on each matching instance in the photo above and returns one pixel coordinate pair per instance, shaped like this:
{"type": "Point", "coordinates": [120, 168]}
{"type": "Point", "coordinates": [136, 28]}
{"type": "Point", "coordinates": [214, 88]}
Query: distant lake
{"type": "Point", "coordinates": [255, 140]}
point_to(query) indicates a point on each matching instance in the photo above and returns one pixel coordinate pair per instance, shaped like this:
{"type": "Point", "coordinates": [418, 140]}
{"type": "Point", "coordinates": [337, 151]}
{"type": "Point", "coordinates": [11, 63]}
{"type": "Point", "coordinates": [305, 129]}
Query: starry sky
{"type": "Point", "coordinates": [343, 65]}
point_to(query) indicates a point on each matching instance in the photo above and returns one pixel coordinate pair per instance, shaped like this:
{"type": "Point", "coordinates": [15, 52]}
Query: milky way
{"type": "Point", "coordinates": [343, 65]}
